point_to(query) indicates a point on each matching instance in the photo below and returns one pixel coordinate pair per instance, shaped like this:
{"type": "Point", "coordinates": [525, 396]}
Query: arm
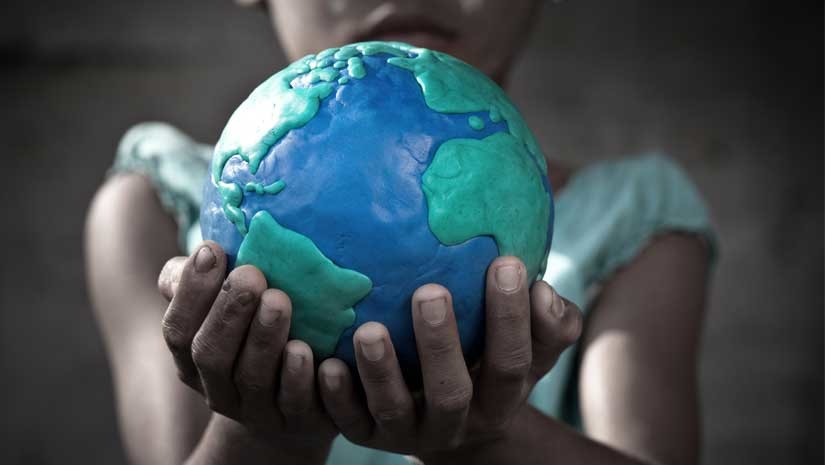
{"type": "Point", "coordinates": [638, 380]}
{"type": "Point", "coordinates": [638, 372]}
{"type": "Point", "coordinates": [128, 239]}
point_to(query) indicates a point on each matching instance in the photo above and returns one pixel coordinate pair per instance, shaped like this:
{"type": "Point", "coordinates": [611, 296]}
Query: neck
{"type": "Point", "coordinates": [559, 174]}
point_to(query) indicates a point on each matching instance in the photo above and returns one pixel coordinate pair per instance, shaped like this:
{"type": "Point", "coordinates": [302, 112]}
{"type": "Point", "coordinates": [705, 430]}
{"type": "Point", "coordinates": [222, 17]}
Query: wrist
{"type": "Point", "coordinates": [227, 441]}
{"type": "Point", "coordinates": [501, 447]}
{"type": "Point", "coordinates": [281, 447]}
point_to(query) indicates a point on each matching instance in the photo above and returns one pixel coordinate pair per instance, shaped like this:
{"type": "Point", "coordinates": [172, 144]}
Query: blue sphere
{"type": "Point", "coordinates": [338, 166]}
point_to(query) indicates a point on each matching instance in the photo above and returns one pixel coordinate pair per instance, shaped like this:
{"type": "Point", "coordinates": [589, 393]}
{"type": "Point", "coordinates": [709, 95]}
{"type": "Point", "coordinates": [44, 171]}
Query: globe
{"type": "Point", "coordinates": [354, 176]}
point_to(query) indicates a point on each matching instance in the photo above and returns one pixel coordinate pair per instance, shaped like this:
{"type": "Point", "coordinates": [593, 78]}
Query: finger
{"type": "Point", "coordinates": [555, 324]}
{"type": "Point", "coordinates": [199, 281]}
{"type": "Point", "coordinates": [217, 344]}
{"type": "Point", "coordinates": [260, 360]}
{"type": "Point", "coordinates": [297, 398]}
{"type": "Point", "coordinates": [507, 354]}
{"type": "Point", "coordinates": [447, 386]}
{"type": "Point", "coordinates": [342, 403]}
{"type": "Point", "coordinates": [388, 399]}
{"type": "Point", "coordinates": [170, 276]}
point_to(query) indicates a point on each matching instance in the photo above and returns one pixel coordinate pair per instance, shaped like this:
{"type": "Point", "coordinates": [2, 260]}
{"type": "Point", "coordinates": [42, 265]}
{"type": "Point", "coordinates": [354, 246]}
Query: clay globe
{"type": "Point", "coordinates": [354, 176]}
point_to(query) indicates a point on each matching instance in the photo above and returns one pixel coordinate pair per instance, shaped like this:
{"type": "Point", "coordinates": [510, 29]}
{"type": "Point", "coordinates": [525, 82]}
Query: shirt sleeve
{"type": "Point", "coordinates": [656, 197]}
{"type": "Point", "coordinates": [176, 166]}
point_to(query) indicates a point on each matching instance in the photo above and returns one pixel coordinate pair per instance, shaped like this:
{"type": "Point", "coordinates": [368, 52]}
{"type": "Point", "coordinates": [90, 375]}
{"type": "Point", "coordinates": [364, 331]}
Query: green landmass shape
{"type": "Point", "coordinates": [489, 187]}
{"type": "Point", "coordinates": [451, 86]}
{"type": "Point", "coordinates": [322, 293]}
{"type": "Point", "coordinates": [278, 106]}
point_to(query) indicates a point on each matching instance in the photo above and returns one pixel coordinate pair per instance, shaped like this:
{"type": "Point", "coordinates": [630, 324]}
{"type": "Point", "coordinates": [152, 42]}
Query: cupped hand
{"type": "Point", "coordinates": [228, 338]}
{"type": "Point", "coordinates": [527, 328]}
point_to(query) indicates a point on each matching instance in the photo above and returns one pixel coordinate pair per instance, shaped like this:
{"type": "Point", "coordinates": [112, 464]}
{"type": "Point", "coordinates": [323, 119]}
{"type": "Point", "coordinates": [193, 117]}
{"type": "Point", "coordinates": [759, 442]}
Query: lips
{"type": "Point", "coordinates": [415, 29]}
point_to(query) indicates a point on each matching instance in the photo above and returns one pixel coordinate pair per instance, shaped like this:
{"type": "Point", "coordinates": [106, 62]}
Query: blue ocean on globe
{"type": "Point", "coordinates": [347, 180]}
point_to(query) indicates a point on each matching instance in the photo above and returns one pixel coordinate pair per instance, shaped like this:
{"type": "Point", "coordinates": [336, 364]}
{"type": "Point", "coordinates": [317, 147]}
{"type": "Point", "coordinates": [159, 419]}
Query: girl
{"type": "Point", "coordinates": [632, 248]}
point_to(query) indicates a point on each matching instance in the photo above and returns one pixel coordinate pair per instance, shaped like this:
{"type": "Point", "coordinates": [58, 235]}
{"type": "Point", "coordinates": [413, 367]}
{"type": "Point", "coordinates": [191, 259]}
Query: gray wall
{"type": "Point", "coordinates": [732, 90]}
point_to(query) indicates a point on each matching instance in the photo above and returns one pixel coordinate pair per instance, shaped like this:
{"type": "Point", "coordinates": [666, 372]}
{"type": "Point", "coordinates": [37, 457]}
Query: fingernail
{"type": "Point", "coordinates": [508, 278]}
{"type": "Point", "coordinates": [559, 307]}
{"type": "Point", "coordinates": [373, 349]}
{"type": "Point", "coordinates": [268, 315]}
{"type": "Point", "coordinates": [333, 382]}
{"type": "Point", "coordinates": [245, 297]}
{"type": "Point", "coordinates": [204, 260]}
{"type": "Point", "coordinates": [242, 297]}
{"type": "Point", "coordinates": [294, 361]}
{"type": "Point", "coordinates": [433, 311]}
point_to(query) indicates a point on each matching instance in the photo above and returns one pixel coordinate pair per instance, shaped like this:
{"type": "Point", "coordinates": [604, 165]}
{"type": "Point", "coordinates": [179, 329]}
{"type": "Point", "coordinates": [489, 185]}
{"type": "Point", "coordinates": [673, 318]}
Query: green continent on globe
{"type": "Point", "coordinates": [489, 187]}
{"type": "Point", "coordinates": [277, 106]}
{"type": "Point", "coordinates": [452, 86]}
{"type": "Point", "coordinates": [322, 293]}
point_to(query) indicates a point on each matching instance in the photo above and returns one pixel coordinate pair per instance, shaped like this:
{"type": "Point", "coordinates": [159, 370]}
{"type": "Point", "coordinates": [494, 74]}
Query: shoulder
{"type": "Point", "coordinates": [139, 216]}
{"type": "Point", "coordinates": [128, 234]}
{"type": "Point", "coordinates": [175, 166]}
{"type": "Point", "coordinates": [126, 199]}
{"type": "Point", "coordinates": [130, 192]}
{"type": "Point", "coordinates": [609, 211]}
{"type": "Point", "coordinates": [129, 231]}
{"type": "Point", "coordinates": [658, 257]}
{"type": "Point", "coordinates": [169, 158]}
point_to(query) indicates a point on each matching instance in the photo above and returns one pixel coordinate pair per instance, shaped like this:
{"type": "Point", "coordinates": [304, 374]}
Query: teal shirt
{"type": "Point", "coordinates": [605, 215]}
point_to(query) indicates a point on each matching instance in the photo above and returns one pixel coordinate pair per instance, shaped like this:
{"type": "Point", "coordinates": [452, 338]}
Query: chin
{"type": "Point", "coordinates": [421, 39]}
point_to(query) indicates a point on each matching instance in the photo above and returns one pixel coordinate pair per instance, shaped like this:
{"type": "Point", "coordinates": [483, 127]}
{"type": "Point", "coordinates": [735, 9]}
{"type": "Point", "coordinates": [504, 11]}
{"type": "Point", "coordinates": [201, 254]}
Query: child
{"type": "Point", "coordinates": [632, 247]}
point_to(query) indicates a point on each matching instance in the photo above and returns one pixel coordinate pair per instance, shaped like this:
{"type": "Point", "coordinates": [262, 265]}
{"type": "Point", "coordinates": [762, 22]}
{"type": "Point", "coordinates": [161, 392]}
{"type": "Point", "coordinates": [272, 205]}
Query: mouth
{"type": "Point", "coordinates": [417, 30]}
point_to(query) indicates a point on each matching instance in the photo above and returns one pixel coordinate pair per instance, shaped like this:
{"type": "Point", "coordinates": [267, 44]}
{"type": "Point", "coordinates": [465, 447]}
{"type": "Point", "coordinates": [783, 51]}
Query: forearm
{"type": "Point", "coordinates": [228, 442]}
{"type": "Point", "coordinates": [161, 420]}
{"type": "Point", "coordinates": [534, 438]}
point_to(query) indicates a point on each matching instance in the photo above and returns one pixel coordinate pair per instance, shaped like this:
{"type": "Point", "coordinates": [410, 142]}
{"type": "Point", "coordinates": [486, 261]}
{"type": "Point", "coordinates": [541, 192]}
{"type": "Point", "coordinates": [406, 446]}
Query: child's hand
{"type": "Point", "coordinates": [229, 341]}
{"type": "Point", "coordinates": [526, 331]}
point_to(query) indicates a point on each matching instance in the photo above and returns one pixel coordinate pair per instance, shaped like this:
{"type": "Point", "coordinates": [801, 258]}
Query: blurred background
{"type": "Point", "coordinates": [732, 90]}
